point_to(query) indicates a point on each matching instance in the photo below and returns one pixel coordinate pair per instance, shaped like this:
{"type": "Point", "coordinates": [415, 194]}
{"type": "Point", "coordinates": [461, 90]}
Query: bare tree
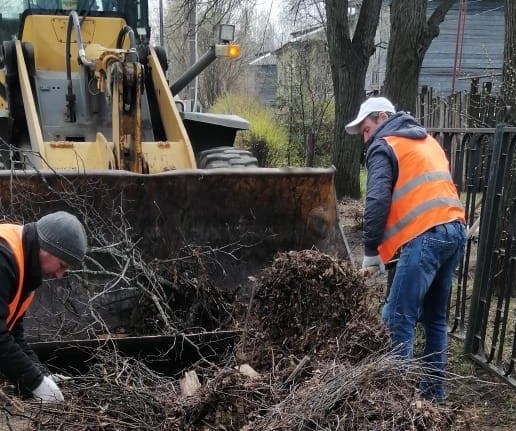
{"type": "Point", "coordinates": [305, 96]}
{"type": "Point", "coordinates": [224, 75]}
{"type": "Point", "coordinates": [191, 28]}
{"type": "Point", "coordinates": [509, 64]}
{"type": "Point", "coordinates": [350, 33]}
{"type": "Point", "coordinates": [411, 35]}
{"type": "Point", "coordinates": [349, 59]}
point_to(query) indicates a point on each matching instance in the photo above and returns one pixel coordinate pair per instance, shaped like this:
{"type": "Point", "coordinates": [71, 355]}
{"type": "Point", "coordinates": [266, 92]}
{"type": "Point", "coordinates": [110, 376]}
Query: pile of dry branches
{"type": "Point", "coordinates": [133, 280]}
{"type": "Point", "coordinates": [227, 400]}
{"type": "Point", "coordinates": [376, 394]}
{"type": "Point", "coordinates": [318, 349]}
{"type": "Point", "coordinates": [116, 393]}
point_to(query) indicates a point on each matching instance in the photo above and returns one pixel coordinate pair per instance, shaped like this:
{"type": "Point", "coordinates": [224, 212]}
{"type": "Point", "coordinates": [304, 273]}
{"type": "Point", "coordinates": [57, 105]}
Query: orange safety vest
{"type": "Point", "coordinates": [12, 234]}
{"type": "Point", "coordinates": [424, 195]}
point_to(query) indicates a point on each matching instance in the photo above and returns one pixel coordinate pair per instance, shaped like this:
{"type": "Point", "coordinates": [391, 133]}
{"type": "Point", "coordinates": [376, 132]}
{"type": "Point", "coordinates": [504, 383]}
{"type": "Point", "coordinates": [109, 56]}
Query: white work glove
{"type": "Point", "coordinates": [48, 391]}
{"type": "Point", "coordinates": [58, 378]}
{"type": "Point", "coordinates": [371, 263]}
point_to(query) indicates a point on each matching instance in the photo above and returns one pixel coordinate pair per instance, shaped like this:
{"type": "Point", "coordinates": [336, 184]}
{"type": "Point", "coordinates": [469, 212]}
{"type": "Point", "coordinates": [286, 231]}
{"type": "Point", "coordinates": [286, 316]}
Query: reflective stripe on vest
{"type": "Point", "coordinates": [12, 234]}
{"type": "Point", "coordinates": [424, 195]}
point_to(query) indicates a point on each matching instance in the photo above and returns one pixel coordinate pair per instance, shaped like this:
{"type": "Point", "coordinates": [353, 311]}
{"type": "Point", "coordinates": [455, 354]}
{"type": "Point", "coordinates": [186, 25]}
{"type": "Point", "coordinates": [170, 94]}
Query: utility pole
{"type": "Point", "coordinates": [161, 30]}
{"type": "Point", "coordinates": [192, 47]}
{"type": "Point", "coordinates": [461, 22]}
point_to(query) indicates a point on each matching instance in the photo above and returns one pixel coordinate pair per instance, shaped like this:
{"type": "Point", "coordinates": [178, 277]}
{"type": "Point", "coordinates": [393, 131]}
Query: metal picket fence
{"type": "Point", "coordinates": [483, 301]}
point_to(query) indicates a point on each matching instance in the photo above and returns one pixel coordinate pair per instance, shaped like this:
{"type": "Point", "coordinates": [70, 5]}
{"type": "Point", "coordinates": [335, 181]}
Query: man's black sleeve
{"type": "Point", "coordinates": [18, 333]}
{"type": "Point", "coordinates": [380, 173]}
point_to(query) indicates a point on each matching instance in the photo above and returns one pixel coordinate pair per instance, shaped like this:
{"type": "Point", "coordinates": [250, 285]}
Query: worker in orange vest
{"type": "Point", "coordinates": [412, 208]}
{"type": "Point", "coordinates": [29, 252]}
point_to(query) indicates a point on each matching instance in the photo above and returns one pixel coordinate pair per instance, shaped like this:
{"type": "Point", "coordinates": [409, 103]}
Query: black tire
{"type": "Point", "coordinates": [162, 58]}
{"type": "Point", "coordinates": [226, 157]}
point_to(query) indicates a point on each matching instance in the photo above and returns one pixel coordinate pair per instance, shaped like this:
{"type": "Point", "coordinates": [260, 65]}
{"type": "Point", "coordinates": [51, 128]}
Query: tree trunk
{"type": "Point", "coordinates": [310, 149]}
{"type": "Point", "coordinates": [349, 59]}
{"type": "Point", "coordinates": [509, 63]}
{"type": "Point", "coordinates": [411, 36]}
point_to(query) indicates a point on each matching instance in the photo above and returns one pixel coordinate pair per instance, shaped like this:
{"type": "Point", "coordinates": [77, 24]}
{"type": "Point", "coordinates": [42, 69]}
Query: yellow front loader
{"type": "Point", "coordinates": [89, 124]}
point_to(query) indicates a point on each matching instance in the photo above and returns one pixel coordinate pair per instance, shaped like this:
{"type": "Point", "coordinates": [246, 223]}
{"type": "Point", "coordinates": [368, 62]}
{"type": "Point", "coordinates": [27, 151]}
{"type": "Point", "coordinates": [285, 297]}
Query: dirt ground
{"type": "Point", "coordinates": [492, 401]}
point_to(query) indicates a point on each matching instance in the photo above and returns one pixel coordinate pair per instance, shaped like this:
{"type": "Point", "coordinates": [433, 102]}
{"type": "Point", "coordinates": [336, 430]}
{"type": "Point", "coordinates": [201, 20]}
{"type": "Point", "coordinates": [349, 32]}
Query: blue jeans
{"type": "Point", "coordinates": [420, 291]}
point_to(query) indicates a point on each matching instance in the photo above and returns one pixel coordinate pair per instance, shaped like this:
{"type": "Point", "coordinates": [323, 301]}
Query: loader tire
{"type": "Point", "coordinates": [226, 157]}
{"type": "Point", "coordinates": [162, 58]}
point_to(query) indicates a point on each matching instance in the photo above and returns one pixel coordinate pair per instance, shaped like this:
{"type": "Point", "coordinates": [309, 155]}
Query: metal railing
{"type": "Point", "coordinates": [483, 301]}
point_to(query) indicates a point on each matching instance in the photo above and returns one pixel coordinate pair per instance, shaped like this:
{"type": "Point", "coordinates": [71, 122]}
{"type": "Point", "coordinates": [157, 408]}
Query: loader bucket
{"type": "Point", "coordinates": [140, 227]}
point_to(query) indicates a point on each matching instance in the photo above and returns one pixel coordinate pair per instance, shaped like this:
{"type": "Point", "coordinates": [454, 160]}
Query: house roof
{"type": "Point", "coordinates": [267, 59]}
{"type": "Point", "coordinates": [307, 34]}
{"type": "Point", "coordinates": [314, 34]}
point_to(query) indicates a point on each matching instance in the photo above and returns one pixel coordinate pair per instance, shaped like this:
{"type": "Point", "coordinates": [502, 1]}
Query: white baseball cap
{"type": "Point", "coordinates": [373, 104]}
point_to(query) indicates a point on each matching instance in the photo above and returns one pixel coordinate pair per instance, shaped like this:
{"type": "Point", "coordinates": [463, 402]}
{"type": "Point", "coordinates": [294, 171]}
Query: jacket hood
{"type": "Point", "coordinates": [403, 125]}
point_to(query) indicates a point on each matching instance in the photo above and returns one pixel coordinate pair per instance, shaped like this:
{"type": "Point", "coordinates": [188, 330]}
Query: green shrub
{"type": "Point", "coordinates": [266, 138]}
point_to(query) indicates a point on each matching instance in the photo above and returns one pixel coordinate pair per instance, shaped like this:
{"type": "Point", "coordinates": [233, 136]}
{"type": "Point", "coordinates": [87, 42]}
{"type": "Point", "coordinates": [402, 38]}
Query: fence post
{"type": "Point", "coordinates": [480, 298]}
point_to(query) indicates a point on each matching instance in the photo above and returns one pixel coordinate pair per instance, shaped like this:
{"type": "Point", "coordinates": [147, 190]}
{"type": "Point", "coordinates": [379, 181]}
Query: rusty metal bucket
{"type": "Point", "coordinates": [139, 222]}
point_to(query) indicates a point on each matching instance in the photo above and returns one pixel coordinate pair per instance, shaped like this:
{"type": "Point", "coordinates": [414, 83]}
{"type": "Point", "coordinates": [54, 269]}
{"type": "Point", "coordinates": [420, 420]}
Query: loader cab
{"type": "Point", "coordinates": [12, 12]}
{"type": "Point", "coordinates": [39, 27]}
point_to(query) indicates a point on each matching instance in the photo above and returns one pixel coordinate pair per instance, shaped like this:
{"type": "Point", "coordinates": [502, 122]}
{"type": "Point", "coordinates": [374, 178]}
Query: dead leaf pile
{"type": "Point", "coordinates": [309, 303]}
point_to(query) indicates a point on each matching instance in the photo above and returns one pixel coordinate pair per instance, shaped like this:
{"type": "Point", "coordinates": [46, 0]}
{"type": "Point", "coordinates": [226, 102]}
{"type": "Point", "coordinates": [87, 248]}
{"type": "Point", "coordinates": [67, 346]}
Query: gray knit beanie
{"type": "Point", "coordinates": [63, 235]}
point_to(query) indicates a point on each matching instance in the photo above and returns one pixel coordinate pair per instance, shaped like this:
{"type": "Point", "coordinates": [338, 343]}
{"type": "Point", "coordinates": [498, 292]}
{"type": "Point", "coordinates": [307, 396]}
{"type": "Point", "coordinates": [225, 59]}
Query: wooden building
{"type": "Point", "coordinates": [481, 53]}
{"type": "Point", "coordinates": [455, 59]}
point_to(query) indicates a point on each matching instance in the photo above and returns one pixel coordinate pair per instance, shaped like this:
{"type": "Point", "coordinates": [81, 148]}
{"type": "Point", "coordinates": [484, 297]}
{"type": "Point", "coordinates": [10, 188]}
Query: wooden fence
{"type": "Point", "coordinates": [478, 108]}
